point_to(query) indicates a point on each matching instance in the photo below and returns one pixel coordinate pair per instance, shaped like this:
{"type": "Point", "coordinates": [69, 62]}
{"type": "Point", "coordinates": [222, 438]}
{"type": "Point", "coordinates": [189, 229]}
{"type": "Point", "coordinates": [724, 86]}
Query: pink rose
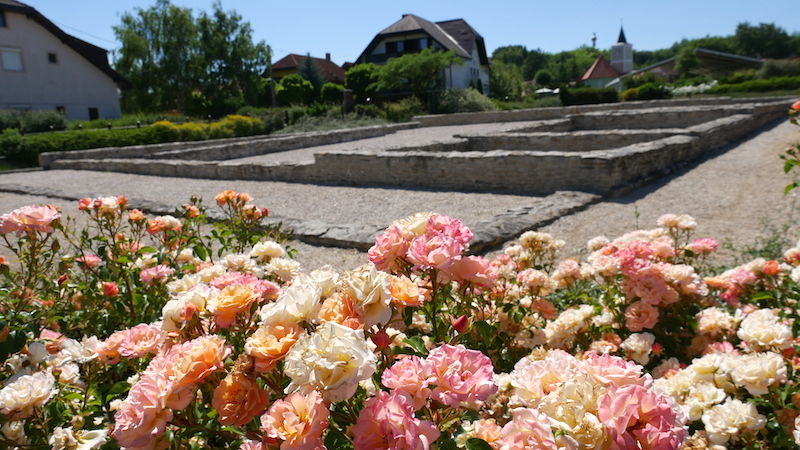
{"type": "Point", "coordinates": [528, 429]}
{"type": "Point", "coordinates": [452, 228]}
{"type": "Point", "coordinates": [636, 417]}
{"type": "Point", "coordinates": [158, 273]}
{"type": "Point", "coordinates": [703, 246]}
{"type": "Point", "coordinates": [89, 260]}
{"type": "Point", "coordinates": [434, 251]}
{"type": "Point", "coordinates": [29, 219]}
{"type": "Point", "coordinates": [298, 420]}
{"type": "Point", "coordinates": [463, 377]}
{"type": "Point", "coordinates": [410, 376]}
{"type": "Point", "coordinates": [613, 370]}
{"type": "Point", "coordinates": [387, 422]}
{"type": "Point", "coordinates": [389, 246]}
{"type": "Point", "coordinates": [472, 269]}
{"type": "Point", "coordinates": [640, 315]}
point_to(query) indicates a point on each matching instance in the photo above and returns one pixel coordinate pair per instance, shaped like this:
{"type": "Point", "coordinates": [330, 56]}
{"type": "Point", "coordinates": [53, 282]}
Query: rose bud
{"type": "Point", "coordinates": [381, 339]}
{"type": "Point", "coordinates": [110, 289]}
{"type": "Point", "coordinates": [460, 324]}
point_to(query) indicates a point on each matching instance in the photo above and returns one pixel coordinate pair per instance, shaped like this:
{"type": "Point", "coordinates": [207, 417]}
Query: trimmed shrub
{"type": "Point", "coordinates": [773, 84]}
{"type": "Point", "coordinates": [630, 95]}
{"type": "Point", "coordinates": [294, 90]}
{"type": "Point", "coordinates": [543, 78]}
{"type": "Point", "coordinates": [295, 113]}
{"type": "Point", "coordinates": [332, 93]}
{"type": "Point", "coordinates": [587, 96]}
{"type": "Point", "coordinates": [463, 100]}
{"type": "Point", "coordinates": [652, 91]}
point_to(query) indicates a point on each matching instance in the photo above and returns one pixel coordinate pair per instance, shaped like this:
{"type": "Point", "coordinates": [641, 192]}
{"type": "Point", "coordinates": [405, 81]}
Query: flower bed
{"type": "Point", "coordinates": [147, 332]}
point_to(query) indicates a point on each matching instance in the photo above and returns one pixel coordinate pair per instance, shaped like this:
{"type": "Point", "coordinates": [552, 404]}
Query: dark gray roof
{"type": "Point", "coordinates": [621, 39]}
{"type": "Point", "coordinates": [410, 23]}
{"type": "Point", "coordinates": [466, 36]}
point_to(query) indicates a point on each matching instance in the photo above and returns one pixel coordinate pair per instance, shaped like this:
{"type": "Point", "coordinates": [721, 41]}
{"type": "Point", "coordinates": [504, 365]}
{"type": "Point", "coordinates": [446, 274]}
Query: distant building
{"type": "Point", "coordinates": [42, 67]}
{"type": "Point", "coordinates": [602, 72]}
{"type": "Point", "coordinates": [412, 34]}
{"type": "Point", "coordinates": [290, 63]}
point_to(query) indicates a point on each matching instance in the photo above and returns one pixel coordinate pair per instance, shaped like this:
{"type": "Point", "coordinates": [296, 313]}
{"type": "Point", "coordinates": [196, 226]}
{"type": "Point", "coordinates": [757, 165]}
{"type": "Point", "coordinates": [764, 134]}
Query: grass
{"type": "Point", "coordinates": [331, 122]}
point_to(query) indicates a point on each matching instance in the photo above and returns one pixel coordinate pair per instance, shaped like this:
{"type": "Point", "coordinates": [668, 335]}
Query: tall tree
{"type": "Point", "coordinates": [309, 70]}
{"type": "Point", "coordinates": [232, 63]}
{"type": "Point", "coordinates": [765, 40]}
{"type": "Point", "coordinates": [510, 54]}
{"type": "Point", "coordinates": [158, 55]}
{"type": "Point", "coordinates": [416, 72]}
{"type": "Point", "coordinates": [535, 61]}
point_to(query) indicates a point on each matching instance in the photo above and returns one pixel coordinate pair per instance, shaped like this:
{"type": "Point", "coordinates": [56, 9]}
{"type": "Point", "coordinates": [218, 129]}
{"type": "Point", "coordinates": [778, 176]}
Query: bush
{"type": "Point", "coordinates": [587, 96]}
{"type": "Point", "coordinates": [27, 148]}
{"type": "Point", "coordinates": [32, 121]}
{"type": "Point", "coordinates": [404, 110]}
{"type": "Point", "coordinates": [638, 80]}
{"type": "Point", "coordinates": [463, 100]}
{"type": "Point", "coordinates": [294, 113]}
{"type": "Point", "coordinates": [739, 77]}
{"type": "Point", "coordinates": [779, 68]}
{"type": "Point", "coordinates": [543, 78]}
{"type": "Point", "coordinates": [652, 91]}
{"type": "Point", "coordinates": [273, 118]}
{"type": "Point", "coordinates": [369, 110]}
{"type": "Point", "coordinates": [294, 90]}
{"type": "Point", "coordinates": [332, 93]}
{"type": "Point", "coordinates": [630, 95]}
{"type": "Point", "coordinates": [317, 109]}
{"type": "Point", "coordinates": [773, 84]}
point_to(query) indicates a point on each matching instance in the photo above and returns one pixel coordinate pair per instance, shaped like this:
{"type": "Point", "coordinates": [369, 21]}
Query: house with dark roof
{"type": "Point", "coordinates": [42, 67]}
{"type": "Point", "coordinates": [291, 62]}
{"type": "Point", "coordinates": [412, 34]}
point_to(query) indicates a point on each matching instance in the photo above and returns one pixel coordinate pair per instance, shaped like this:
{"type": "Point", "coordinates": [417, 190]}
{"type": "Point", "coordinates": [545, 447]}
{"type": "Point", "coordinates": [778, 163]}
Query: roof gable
{"type": "Point", "coordinates": [466, 36]}
{"type": "Point", "coordinates": [92, 53]}
{"type": "Point", "coordinates": [601, 68]}
{"type": "Point", "coordinates": [330, 71]}
{"type": "Point", "coordinates": [411, 23]}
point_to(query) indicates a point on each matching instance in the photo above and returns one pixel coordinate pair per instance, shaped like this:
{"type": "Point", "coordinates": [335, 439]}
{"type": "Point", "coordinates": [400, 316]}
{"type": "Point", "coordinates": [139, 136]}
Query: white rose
{"type": "Point", "coordinates": [239, 263]}
{"type": "Point", "coordinates": [62, 438]}
{"type": "Point", "coordinates": [415, 224]}
{"type": "Point", "coordinates": [284, 268]}
{"type": "Point", "coordinates": [26, 392]}
{"type": "Point", "coordinates": [171, 315]}
{"type": "Point", "coordinates": [265, 250]}
{"type": "Point", "coordinates": [796, 432]}
{"type": "Point", "coordinates": [325, 277]}
{"type": "Point", "coordinates": [756, 372]}
{"type": "Point", "coordinates": [209, 273]}
{"type": "Point", "coordinates": [725, 421]}
{"type": "Point", "coordinates": [146, 260]}
{"type": "Point", "coordinates": [15, 431]}
{"type": "Point", "coordinates": [88, 440]}
{"type": "Point", "coordinates": [639, 346]}
{"type": "Point", "coordinates": [70, 374]}
{"type": "Point", "coordinates": [702, 396]}
{"type": "Point", "coordinates": [761, 329]}
{"type": "Point", "coordinates": [298, 302]}
{"type": "Point", "coordinates": [370, 288]}
{"type": "Point", "coordinates": [334, 360]}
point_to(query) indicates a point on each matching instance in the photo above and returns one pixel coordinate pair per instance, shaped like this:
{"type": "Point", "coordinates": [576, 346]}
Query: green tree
{"type": "Point", "coordinates": [535, 61]}
{"type": "Point", "coordinates": [505, 81]}
{"type": "Point", "coordinates": [686, 61]}
{"type": "Point", "coordinates": [362, 79]}
{"type": "Point", "coordinates": [294, 90]}
{"type": "Point", "coordinates": [233, 64]}
{"type": "Point", "coordinates": [543, 78]}
{"type": "Point", "coordinates": [158, 55]}
{"type": "Point", "coordinates": [510, 54]}
{"type": "Point", "coordinates": [765, 40]}
{"type": "Point", "coordinates": [416, 72]}
{"type": "Point", "coordinates": [308, 69]}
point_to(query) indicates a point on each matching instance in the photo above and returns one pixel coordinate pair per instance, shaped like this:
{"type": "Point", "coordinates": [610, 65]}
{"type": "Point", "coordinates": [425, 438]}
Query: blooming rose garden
{"type": "Point", "coordinates": [154, 332]}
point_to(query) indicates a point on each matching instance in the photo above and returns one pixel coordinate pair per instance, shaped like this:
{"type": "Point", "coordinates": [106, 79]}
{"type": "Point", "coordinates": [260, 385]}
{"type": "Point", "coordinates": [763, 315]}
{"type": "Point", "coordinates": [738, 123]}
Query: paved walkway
{"type": "Point", "coordinates": [731, 195]}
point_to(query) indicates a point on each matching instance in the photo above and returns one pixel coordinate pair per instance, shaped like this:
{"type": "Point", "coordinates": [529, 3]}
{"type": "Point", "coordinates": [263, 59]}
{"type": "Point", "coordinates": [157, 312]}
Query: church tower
{"type": "Point", "coordinates": [622, 54]}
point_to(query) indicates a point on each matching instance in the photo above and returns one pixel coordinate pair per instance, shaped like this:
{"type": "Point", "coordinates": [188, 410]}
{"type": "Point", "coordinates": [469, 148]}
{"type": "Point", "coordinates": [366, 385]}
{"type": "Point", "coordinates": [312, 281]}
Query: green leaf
{"type": "Point", "coordinates": [144, 250]}
{"type": "Point", "coordinates": [336, 439]}
{"type": "Point", "coordinates": [486, 331]}
{"type": "Point", "coordinates": [201, 252]}
{"type": "Point", "coordinates": [477, 444]}
{"type": "Point", "coordinates": [417, 344]}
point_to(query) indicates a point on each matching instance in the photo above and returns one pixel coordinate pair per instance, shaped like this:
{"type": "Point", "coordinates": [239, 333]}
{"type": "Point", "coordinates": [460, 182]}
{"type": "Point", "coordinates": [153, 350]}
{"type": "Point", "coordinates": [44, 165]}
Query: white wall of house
{"type": "Point", "coordinates": [72, 82]}
{"type": "Point", "coordinates": [459, 76]}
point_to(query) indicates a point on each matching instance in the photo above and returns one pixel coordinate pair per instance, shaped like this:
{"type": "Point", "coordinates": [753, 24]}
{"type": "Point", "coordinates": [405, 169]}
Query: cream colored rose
{"type": "Point", "coordinates": [639, 345]}
{"type": "Point", "coordinates": [756, 372]}
{"type": "Point", "coordinates": [298, 302]}
{"type": "Point", "coordinates": [239, 263]}
{"type": "Point", "coordinates": [334, 359]}
{"type": "Point", "coordinates": [733, 417]}
{"type": "Point", "coordinates": [761, 330]}
{"type": "Point", "coordinates": [284, 268]}
{"type": "Point", "coordinates": [561, 332]}
{"type": "Point", "coordinates": [62, 438]}
{"type": "Point", "coordinates": [14, 431]}
{"type": "Point", "coordinates": [702, 396]}
{"type": "Point", "coordinates": [209, 273]}
{"type": "Point", "coordinates": [796, 432]}
{"type": "Point", "coordinates": [264, 251]}
{"type": "Point", "coordinates": [18, 398]}
{"type": "Point", "coordinates": [715, 321]}
{"type": "Point", "coordinates": [415, 224]}
{"type": "Point", "coordinates": [370, 288]}
{"type": "Point", "coordinates": [325, 277]}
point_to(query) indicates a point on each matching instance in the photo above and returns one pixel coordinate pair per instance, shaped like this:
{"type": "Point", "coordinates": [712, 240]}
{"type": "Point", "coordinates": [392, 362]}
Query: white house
{"type": "Point", "coordinates": [413, 33]}
{"type": "Point", "coordinates": [42, 67]}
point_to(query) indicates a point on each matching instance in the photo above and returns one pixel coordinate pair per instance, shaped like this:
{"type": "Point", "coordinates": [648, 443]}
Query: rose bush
{"type": "Point", "coordinates": [148, 332]}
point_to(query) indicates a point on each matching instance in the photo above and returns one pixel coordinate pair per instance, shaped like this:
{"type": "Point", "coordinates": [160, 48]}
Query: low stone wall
{"type": "Point", "coordinates": [557, 112]}
{"type": "Point", "coordinates": [221, 149]}
{"type": "Point", "coordinates": [575, 141]}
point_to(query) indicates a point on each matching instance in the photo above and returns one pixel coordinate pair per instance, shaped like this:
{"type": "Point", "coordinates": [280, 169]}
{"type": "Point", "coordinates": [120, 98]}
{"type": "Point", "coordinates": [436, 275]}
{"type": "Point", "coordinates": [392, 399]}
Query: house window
{"type": "Point", "coordinates": [52, 58]}
{"type": "Point", "coordinates": [3, 19]}
{"type": "Point", "coordinates": [11, 59]}
{"type": "Point", "coordinates": [391, 47]}
{"type": "Point", "coordinates": [411, 45]}
{"type": "Point", "coordinates": [93, 114]}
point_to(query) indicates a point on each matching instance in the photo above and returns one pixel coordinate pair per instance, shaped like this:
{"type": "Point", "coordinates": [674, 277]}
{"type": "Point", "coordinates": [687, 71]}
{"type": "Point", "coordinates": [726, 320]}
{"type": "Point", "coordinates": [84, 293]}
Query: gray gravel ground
{"type": "Point", "coordinates": [731, 195]}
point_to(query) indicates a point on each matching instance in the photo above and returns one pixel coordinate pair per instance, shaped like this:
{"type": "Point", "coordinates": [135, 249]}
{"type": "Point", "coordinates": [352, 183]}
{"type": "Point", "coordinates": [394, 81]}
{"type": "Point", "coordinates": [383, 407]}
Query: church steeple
{"type": "Point", "coordinates": [621, 39]}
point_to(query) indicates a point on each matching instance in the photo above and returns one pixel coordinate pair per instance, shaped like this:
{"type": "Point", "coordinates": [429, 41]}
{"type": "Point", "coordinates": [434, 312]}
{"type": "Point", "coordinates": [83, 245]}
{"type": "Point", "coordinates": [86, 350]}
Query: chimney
{"type": "Point", "coordinates": [327, 56]}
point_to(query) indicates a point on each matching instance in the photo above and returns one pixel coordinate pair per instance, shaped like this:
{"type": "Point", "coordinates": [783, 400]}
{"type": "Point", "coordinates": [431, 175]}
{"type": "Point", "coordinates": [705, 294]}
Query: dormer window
{"type": "Point", "coordinates": [52, 58]}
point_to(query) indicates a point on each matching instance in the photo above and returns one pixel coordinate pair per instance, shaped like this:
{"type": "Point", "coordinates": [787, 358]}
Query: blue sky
{"type": "Point", "coordinates": [344, 28]}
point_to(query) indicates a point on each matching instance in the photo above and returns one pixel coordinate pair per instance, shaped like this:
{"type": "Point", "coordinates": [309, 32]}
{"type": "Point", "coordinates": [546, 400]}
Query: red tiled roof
{"type": "Point", "coordinates": [600, 69]}
{"type": "Point", "coordinates": [330, 71]}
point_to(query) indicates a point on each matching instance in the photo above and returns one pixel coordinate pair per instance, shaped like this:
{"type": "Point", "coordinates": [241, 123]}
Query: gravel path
{"type": "Point", "coordinates": [403, 138]}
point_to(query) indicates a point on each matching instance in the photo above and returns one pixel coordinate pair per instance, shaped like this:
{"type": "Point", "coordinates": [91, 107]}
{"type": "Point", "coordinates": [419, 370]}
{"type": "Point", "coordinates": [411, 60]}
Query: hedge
{"type": "Point", "coordinates": [771, 84]}
{"type": "Point", "coordinates": [587, 96]}
{"type": "Point", "coordinates": [32, 121]}
{"type": "Point", "coordinates": [27, 148]}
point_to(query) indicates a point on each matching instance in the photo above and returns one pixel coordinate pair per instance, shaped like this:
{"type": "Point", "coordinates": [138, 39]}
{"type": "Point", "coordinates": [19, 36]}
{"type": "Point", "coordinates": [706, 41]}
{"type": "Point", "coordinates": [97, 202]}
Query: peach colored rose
{"type": "Point", "coordinates": [110, 289]}
{"type": "Point", "coordinates": [410, 376]}
{"type": "Point", "coordinates": [405, 292]}
{"type": "Point", "coordinates": [298, 420]}
{"type": "Point", "coordinates": [528, 429]}
{"type": "Point", "coordinates": [231, 301]}
{"type": "Point", "coordinates": [340, 308]}
{"type": "Point", "coordinates": [640, 315]}
{"type": "Point", "coordinates": [238, 399]}
{"type": "Point", "coordinates": [270, 343]}
{"type": "Point", "coordinates": [390, 246]}
{"type": "Point", "coordinates": [135, 215]}
{"type": "Point", "coordinates": [196, 359]}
